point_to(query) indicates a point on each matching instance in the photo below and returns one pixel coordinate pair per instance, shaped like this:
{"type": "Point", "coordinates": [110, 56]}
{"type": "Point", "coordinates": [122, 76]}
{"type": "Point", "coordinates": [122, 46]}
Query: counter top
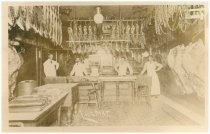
{"type": "Point", "coordinates": [117, 78]}
{"type": "Point", "coordinates": [33, 116]}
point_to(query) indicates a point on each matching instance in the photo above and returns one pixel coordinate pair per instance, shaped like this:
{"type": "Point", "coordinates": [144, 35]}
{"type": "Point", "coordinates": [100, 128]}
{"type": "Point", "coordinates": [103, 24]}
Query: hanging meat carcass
{"type": "Point", "coordinates": [113, 31]}
{"type": "Point", "coordinates": [74, 49]}
{"type": "Point", "coordinates": [82, 48]}
{"type": "Point", "coordinates": [117, 47]}
{"type": "Point", "coordinates": [94, 32]}
{"type": "Point", "coordinates": [124, 47]}
{"type": "Point", "coordinates": [132, 31]}
{"type": "Point", "coordinates": [70, 32]}
{"type": "Point", "coordinates": [142, 40]}
{"type": "Point", "coordinates": [80, 33]}
{"type": "Point", "coordinates": [113, 51]}
{"type": "Point", "coordinates": [128, 31]}
{"type": "Point", "coordinates": [50, 21]}
{"type": "Point", "coordinates": [85, 32]}
{"type": "Point", "coordinates": [90, 32]}
{"type": "Point", "coordinates": [55, 27]}
{"type": "Point", "coordinates": [127, 47]}
{"type": "Point", "coordinates": [11, 15]}
{"type": "Point", "coordinates": [189, 67]}
{"type": "Point", "coordinates": [122, 30]}
{"type": "Point", "coordinates": [137, 29]}
{"type": "Point", "coordinates": [117, 31]}
{"type": "Point", "coordinates": [75, 31]}
{"type": "Point", "coordinates": [47, 21]}
{"type": "Point", "coordinates": [60, 32]}
{"type": "Point", "coordinates": [14, 63]}
{"type": "Point", "coordinates": [87, 48]}
{"type": "Point", "coordinates": [21, 17]}
{"type": "Point", "coordinates": [79, 48]}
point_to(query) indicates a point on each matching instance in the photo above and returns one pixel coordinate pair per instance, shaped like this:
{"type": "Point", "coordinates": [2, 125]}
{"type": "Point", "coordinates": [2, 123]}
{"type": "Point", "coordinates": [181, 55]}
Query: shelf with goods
{"type": "Point", "coordinates": [114, 33]}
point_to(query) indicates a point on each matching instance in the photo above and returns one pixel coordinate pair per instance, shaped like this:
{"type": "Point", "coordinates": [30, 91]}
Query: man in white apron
{"type": "Point", "coordinates": [50, 66]}
{"type": "Point", "coordinates": [152, 67]}
{"type": "Point", "coordinates": [123, 67]}
{"type": "Point", "coordinates": [79, 69]}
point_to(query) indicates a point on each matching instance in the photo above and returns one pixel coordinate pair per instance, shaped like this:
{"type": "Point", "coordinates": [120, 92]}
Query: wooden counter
{"type": "Point", "coordinates": [43, 117]}
{"type": "Point", "coordinates": [114, 79]}
{"type": "Point", "coordinates": [117, 80]}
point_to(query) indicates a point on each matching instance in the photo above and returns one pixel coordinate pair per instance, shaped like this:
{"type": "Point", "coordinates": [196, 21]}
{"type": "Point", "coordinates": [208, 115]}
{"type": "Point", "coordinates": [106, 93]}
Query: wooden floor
{"type": "Point", "coordinates": [169, 109]}
{"type": "Point", "coordinates": [129, 114]}
{"type": "Point", "coordinates": [170, 89]}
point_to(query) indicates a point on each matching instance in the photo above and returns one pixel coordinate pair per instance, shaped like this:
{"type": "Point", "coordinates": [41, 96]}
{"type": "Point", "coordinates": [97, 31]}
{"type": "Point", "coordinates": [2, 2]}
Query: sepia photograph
{"type": "Point", "coordinates": [105, 66]}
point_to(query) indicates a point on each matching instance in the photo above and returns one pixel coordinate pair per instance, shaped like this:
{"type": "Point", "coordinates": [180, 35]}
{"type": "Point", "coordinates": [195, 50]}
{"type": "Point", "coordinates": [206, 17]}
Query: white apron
{"type": "Point", "coordinates": [155, 88]}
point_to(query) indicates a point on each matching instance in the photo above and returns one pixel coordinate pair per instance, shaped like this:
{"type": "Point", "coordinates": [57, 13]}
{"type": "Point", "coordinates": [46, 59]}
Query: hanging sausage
{"type": "Point", "coordinates": [82, 48]}
{"type": "Point", "coordinates": [20, 21]}
{"type": "Point", "coordinates": [28, 23]}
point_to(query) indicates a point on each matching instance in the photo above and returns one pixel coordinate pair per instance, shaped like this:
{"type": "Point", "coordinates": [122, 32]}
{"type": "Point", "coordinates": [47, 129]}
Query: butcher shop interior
{"type": "Point", "coordinates": [107, 65]}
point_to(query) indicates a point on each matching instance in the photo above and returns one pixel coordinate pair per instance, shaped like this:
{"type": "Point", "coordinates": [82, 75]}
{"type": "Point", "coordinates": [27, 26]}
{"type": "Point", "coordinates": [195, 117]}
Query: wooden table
{"type": "Point", "coordinates": [118, 79]}
{"type": "Point", "coordinates": [104, 79]}
{"type": "Point", "coordinates": [70, 100]}
{"type": "Point", "coordinates": [38, 118]}
{"type": "Point", "coordinates": [41, 118]}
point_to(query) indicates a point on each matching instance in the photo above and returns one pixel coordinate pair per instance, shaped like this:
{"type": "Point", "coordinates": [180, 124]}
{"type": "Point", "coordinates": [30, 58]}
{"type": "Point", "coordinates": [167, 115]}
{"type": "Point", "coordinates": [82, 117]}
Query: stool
{"type": "Point", "coordinates": [143, 91]}
{"type": "Point", "coordinates": [91, 96]}
{"type": "Point", "coordinates": [143, 87]}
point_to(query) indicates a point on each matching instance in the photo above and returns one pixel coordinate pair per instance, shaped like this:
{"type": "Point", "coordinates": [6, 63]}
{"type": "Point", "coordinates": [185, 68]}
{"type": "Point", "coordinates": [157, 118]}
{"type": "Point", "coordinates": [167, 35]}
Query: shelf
{"type": "Point", "coordinates": [136, 48]}
{"type": "Point", "coordinates": [88, 41]}
{"type": "Point", "coordinates": [104, 20]}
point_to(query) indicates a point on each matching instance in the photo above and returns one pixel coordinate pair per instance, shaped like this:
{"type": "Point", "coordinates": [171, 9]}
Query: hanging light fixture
{"type": "Point", "coordinates": [98, 17]}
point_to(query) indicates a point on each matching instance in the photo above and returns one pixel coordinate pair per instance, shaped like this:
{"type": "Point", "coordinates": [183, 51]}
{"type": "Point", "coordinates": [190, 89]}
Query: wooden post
{"type": "Point", "coordinates": [56, 55]}
{"type": "Point", "coordinates": [40, 67]}
{"type": "Point", "coordinates": [120, 22]}
{"type": "Point", "coordinates": [59, 116]}
{"type": "Point", "coordinates": [74, 13]}
{"type": "Point", "coordinates": [150, 50]}
{"type": "Point", "coordinates": [37, 65]}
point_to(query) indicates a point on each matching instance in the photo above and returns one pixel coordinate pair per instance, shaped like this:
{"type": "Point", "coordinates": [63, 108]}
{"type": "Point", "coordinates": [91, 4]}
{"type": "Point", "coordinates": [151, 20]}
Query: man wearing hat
{"type": "Point", "coordinates": [79, 69]}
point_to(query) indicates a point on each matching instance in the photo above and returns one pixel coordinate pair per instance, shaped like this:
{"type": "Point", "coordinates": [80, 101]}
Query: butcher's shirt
{"type": "Point", "coordinates": [79, 69]}
{"type": "Point", "coordinates": [50, 67]}
{"type": "Point", "coordinates": [122, 69]}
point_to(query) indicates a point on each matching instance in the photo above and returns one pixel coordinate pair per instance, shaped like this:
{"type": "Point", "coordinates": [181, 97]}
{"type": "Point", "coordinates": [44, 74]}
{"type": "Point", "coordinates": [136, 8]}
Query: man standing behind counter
{"type": "Point", "coordinates": [123, 67]}
{"type": "Point", "coordinates": [79, 69]}
{"type": "Point", "coordinates": [50, 66]}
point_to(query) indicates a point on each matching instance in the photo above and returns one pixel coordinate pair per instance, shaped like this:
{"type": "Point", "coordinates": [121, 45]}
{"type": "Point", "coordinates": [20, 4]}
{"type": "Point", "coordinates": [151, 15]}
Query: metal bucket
{"type": "Point", "coordinates": [26, 87]}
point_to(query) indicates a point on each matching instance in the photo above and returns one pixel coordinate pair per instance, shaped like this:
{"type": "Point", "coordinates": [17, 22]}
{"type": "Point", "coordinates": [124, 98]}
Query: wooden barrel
{"type": "Point", "coordinates": [26, 87]}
